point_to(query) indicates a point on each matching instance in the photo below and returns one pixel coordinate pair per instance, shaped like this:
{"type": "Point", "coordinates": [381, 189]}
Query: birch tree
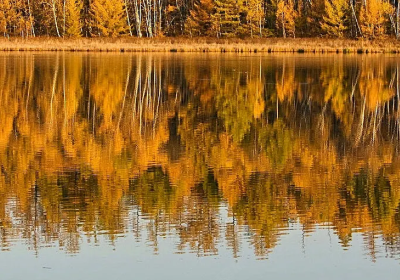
{"type": "Point", "coordinates": [374, 17]}
{"type": "Point", "coordinates": [285, 18]}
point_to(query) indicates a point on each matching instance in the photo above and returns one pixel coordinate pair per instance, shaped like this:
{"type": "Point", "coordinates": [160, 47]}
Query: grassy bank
{"type": "Point", "coordinates": [127, 44]}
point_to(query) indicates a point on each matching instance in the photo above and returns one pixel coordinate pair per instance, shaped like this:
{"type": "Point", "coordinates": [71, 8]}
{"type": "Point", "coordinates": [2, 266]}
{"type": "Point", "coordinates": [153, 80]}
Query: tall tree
{"type": "Point", "coordinates": [43, 17]}
{"type": "Point", "coordinates": [285, 18]}
{"type": "Point", "coordinates": [138, 17]}
{"type": "Point", "coordinates": [252, 17]}
{"type": "Point", "coordinates": [226, 19]}
{"type": "Point", "coordinates": [374, 17]}
{"type": "Point", "coordinates": [5, 10]}
{"type": "Point", "coordinates": [14, 18]}
{"type": "Point", "coordinates": [199, 22]}
{"type": "Point", "coordinates": [73, 18]}
{"type": "Point", "coordinates": [54, 5]}
{"type": "Point", "coordinates": [310, 16]}
{"type": "Point", "coordinates": [176, 13]}
{"type": "Point", "coordinates": [108, 17]}
{"type": "Point", "coordinates": [337, 15]}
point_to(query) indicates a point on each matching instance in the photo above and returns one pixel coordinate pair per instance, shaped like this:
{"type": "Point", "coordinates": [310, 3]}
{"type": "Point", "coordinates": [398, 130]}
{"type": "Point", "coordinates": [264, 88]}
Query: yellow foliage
{"type": "Point", "coordinates": [374, 17]}
{"type": "Point", "coordinates": [73, 18]}
{"type": "Point", "coordinates": [109, 17]}
{"type": "Point", "coordinates": [336, 17]}
{"type": "Point", "coordinates": [286, 18]}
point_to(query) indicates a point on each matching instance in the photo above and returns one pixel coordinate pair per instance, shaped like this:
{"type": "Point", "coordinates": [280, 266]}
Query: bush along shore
{"type": "Point", "coordinates": [267, 45]}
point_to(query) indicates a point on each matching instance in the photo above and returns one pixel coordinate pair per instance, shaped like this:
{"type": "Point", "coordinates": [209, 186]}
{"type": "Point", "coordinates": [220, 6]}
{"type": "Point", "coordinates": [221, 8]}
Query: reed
{"type": "Point", "coordinates": [270, 45]}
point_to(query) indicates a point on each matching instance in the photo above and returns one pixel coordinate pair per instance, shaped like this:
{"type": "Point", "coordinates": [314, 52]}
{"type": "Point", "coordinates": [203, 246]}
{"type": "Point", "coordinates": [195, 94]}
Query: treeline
{"type": "Point", "coordinates": [212, 18]}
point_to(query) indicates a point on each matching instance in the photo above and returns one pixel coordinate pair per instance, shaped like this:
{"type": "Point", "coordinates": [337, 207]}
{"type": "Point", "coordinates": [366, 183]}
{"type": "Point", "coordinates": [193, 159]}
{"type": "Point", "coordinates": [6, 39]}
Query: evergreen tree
{"type": "Point", "coordinates": [48, 16]}
{"type": "Point", "coordinates": [226, 19]}
{"type": "Point", "coordinates": [199, 22]}
{"type": "Point", "coordinates": [337, 15]}
{"type": "Point", "coordinates": [73, 18]}
{"type": "Point", "coordinates": [43, 15]}
{"type": "Point", "coordinates": [309, 17]}
{"type": "Point", "coordinates": [314, 18]}
{"type": "Point", "coordinates": [108, 17]}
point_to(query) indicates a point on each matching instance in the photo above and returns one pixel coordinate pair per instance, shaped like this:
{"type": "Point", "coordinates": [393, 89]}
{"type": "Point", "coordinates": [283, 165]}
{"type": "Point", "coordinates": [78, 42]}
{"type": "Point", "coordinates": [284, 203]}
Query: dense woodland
{"type": "Point", "coordinates": [193, 18]}
{"type": "Point", "coordinates": [149, 145]}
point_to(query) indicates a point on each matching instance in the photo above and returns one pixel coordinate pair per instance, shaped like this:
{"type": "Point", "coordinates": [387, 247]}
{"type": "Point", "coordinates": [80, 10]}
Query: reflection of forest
{"type": "Point", "coordinates": [105, 144]}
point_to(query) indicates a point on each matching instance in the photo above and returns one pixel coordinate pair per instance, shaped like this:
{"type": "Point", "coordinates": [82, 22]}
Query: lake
{"type": "Point", "coordinates": [199, 166]}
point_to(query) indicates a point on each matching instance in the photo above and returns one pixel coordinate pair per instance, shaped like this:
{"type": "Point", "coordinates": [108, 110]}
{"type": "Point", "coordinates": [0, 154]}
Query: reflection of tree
{"type": "Point", "coordinates": [94, 145]}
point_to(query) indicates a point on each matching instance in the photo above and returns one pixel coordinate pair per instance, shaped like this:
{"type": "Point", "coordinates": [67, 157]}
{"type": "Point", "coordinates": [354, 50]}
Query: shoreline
{"type": "Point", "coordinates": [198, 45]}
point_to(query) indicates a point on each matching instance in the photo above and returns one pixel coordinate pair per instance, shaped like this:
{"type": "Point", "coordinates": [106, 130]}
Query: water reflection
{"type": "Point", "coordinates": [208, 150]}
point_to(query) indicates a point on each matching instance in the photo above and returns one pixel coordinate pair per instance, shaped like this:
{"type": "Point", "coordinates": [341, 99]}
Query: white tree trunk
{"type": "Point", "coordinates": [55, 17]}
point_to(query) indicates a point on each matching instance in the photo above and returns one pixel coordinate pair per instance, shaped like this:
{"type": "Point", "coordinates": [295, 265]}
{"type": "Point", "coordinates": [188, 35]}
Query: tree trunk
{"type": "Point", "coordinates": [64, 25]}
{"type": "Point", "coordinates": [55, 17]}
{"type": "Point", "coordinates": [155, 18]}
{"type": "Point", "coordinates": [30, 18]}
{"type": "Point", "coordinates": [127, 18]}
{"type": "Point", "coordinates": [355, 18]}
{"type": "Point", "coordinates": [138, 18]}
{"type": "Point", "coordinates": [397, 19]}
{"type": "Point", "coordinates": [159, 16]}
{"type": "Point", "coordinates": [147, 11]}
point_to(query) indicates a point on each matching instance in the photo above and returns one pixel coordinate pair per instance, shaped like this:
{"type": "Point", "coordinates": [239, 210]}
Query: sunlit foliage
{"type": "Point", "coordinates": [211, 18]}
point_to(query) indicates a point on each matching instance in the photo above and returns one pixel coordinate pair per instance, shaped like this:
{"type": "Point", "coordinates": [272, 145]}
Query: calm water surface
{"type": "Point", "coordinates": [171, 166]}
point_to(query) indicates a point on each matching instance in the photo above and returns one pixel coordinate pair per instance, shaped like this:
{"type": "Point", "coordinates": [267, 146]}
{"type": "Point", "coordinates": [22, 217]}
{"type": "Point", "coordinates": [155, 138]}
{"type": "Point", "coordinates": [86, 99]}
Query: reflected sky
{"type": "Point", "coordinates": [314, 257]}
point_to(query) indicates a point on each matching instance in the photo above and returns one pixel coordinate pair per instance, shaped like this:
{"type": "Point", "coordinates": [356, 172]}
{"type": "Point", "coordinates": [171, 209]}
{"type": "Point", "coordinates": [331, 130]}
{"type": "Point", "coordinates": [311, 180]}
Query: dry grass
{"type": "Point", "coordinates": [127, 44]}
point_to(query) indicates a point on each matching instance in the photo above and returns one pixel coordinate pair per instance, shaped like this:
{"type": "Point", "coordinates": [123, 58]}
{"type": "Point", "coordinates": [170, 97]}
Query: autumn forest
{"type": "Point", "coordinates": [195, 18]}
